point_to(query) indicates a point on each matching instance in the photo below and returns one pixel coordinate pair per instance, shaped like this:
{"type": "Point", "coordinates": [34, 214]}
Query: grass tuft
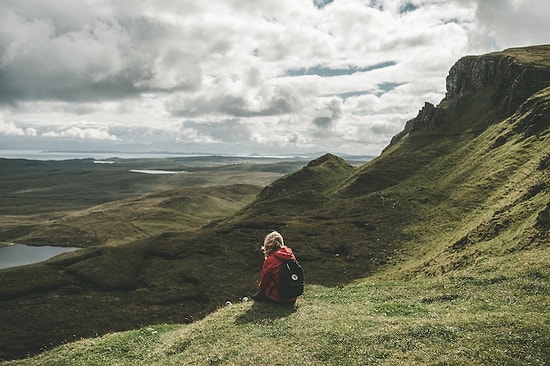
{"type": "Point", "coordinates": [437, 250]}
{"type": "Point", "coordinates": [470, 317]}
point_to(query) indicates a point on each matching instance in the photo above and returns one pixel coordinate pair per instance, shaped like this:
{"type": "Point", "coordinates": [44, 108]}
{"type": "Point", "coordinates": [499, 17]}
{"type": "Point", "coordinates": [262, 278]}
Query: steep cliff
{"type": "Point", "coordinates": [510, 77]}
{"type": "Point", "coordinates": [465, 187]}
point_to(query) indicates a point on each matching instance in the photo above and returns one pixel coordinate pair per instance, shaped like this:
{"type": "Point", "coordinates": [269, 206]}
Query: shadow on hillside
{"type": "Point", "coordinates": [261, 313]}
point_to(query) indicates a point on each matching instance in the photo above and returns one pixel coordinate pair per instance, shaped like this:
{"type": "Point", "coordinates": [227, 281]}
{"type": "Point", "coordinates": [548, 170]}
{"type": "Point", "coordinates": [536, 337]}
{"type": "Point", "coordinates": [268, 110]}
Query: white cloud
{"type": "Point", "coordinates": [93, 133]}
{"type": "Point", "coordinates": [341, 76]}
{"type": "Point", "coordinates": [11, 129]}
{"type": "Point", "coordinates": [511, 23]}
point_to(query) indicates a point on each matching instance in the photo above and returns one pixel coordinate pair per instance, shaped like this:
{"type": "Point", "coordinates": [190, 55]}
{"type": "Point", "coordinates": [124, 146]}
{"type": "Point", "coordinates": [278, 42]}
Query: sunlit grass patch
{"type": "Point", "coordinates": [443, 237]}
{"type": "Point", "coordinates": [470, 317]}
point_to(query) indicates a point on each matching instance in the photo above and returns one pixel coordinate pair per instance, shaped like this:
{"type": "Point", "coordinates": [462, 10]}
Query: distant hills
{"type": "Point", "coordinates": [465, 182]}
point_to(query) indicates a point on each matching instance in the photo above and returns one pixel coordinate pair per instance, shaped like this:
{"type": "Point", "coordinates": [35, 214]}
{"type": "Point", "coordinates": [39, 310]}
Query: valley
{"type": "Point", "coordinates": [437, 249]}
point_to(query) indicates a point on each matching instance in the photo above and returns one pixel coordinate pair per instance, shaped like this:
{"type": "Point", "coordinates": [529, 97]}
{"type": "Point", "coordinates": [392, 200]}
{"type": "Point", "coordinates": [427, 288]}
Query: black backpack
{"type": "Point", "coordinates": [292, 279]}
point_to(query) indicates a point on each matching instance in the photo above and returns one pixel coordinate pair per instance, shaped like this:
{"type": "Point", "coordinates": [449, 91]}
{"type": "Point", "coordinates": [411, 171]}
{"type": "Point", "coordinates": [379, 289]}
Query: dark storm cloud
{"type": "Point", "coordinates": [311, 74]}
{"type": "Point", "coordinates": [276, 107]}
{"type": "Point", "coordinates": [229, 131]}
{"type": "Point", "coordinates": [283, 101]}
{"type": "Point", "coordinates": [47, 57]}
{"type": "Point", "coordinates": [334, 109]}
{"type": "Point", "coordinates": [17, 85]}
{"type": "Point", "coordinates": [231, 105]}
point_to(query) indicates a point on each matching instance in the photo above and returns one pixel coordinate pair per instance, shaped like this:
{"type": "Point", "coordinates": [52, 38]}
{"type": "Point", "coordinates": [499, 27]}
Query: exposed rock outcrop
{"type": "Point", "coordinates": [513, 76]}
{"type": "Point", "coordinates": [513, 81]}
{"type": "Point", "coordinates": [427, 118]}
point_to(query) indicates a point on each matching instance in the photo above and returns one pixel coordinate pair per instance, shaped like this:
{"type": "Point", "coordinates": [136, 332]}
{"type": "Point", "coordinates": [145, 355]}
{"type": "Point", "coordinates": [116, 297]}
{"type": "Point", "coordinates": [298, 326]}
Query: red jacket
{"type": "Point", "coordinates": [271, 274]}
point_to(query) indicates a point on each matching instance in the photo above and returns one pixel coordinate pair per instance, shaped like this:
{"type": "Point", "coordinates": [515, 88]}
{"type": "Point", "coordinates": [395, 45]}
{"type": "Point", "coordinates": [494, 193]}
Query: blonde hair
{"type": "Point", "coordinates": [272, 242]}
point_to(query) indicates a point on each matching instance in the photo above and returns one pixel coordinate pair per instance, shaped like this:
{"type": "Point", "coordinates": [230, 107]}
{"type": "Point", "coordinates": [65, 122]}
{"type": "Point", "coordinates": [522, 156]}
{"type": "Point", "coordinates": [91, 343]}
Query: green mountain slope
{"type": "Point", "coordinates": [466, 319]}
{"type": "Point", "coordinates": [445, 235]}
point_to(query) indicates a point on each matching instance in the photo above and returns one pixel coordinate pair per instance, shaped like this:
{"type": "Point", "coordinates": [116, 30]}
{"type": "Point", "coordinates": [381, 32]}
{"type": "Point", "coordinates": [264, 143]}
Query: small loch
{"type": "Point", "coordinates": [20, 254]}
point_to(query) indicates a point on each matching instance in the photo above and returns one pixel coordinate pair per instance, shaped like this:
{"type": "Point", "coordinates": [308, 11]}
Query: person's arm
{"type": "Point", "coordinates": [267, 270]}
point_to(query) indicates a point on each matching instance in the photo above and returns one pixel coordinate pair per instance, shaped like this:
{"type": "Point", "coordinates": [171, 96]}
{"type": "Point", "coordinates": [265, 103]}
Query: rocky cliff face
{"type": "Point", "coordinates": [513, 76]}
{"type": "Point", "coordinates": [513, 81]}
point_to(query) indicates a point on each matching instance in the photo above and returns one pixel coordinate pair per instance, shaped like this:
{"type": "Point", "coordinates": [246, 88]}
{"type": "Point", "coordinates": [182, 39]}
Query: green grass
{"type": "Point", "coordinates": [56, 187]}
{"type": "Point", "coordinates": [495, 314]}
{"type": "Point", "coordinates": [436, 251]}
{"type": "Point", "coordinates": [533, 55]}
{"type": "Point", "coordinates": [79, 203]}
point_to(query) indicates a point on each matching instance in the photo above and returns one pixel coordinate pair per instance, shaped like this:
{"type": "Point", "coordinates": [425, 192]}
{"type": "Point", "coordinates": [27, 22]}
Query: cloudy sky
{"type": "Point", "coordinates": [237, 76]}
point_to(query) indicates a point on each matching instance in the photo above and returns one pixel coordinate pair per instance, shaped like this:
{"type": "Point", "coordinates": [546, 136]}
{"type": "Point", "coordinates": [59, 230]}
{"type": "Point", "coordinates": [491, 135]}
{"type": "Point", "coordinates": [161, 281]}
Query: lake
{"type": "Point", "coordinates": [20, 255]}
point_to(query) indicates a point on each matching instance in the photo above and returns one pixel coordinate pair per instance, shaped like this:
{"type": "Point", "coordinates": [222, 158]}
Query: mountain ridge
{"type": "Point", "coordinates": [514, 74]}
{"type": "Point", "coordinates": [462, 187]}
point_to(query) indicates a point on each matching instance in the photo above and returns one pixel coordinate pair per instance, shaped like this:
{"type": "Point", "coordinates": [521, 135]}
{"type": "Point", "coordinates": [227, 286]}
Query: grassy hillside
{"type": "Point", "coordinates": [36, 187]}
{"type": "Point", "coordinates": [437, 252]}
{"type": "Point", "coordinates": [490, 314]}
{"type": "Point", "coordinates": [79, 203]}
{"type": "Point", "coordinates": [130, 219]}
{"type": "Point", "coordinates": [132, 271]}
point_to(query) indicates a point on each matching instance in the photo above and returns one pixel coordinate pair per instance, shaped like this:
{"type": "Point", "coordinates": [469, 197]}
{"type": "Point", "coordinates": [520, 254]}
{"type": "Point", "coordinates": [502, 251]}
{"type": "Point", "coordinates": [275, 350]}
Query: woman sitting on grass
{"type": "Point", "coordinates": [275, 253]}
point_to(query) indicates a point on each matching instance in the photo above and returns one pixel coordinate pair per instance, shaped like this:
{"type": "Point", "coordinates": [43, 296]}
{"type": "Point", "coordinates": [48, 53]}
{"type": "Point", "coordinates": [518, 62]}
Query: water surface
{"type": "Point", "coordinates": [20, 255]}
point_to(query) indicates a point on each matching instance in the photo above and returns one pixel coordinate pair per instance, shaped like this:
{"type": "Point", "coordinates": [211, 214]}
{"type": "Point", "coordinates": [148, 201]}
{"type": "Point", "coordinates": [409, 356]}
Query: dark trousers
{"type": "Point", "coordinates": [260, 296]}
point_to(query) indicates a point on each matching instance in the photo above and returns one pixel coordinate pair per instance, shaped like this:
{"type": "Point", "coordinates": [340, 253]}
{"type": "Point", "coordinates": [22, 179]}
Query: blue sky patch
{"type": "Point", "coordinates": [408, 7]}
{"type": "Point", "coordinates": [382, 88]}
{"type": "Point", "coordinates": [328, 71]}
{"type": "Point", "coordinates": [321, 3]}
